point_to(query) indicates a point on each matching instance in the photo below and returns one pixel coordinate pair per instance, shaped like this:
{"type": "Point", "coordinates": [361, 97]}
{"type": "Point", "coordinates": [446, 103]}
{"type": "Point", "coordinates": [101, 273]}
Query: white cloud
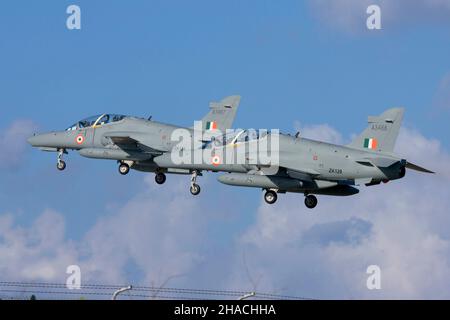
{"type": "Point", "coordinates": [13, 142]}
{"type": "Point", "coordinates": [424, 152]}
{"type": "Point", "coordinates": [320, 132]}
{"type": "Point", "coordinates": [350, 15]}
{"type": "Point", "coordinates": [158, 231]}
{"type": "Point", "coordinates": [39, 252]}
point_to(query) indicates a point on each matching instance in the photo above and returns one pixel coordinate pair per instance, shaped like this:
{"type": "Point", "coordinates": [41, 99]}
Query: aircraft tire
{"type": "Point", "coordinates": [124, 169]}
{"type": "Point", "coordinates": [195, 189]}
{"type": "Point", "coordinates": [270, 197]}
{"type": "Point", "coordinates": [160, 178]}
{"type": "Point", "coordinates": [310, 201]}
{"type": "Point", "coordinates": [61, 165]}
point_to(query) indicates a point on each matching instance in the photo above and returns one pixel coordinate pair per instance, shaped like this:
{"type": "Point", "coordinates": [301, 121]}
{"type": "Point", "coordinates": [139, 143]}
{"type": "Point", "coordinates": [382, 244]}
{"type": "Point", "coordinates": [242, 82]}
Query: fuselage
{"type": "Point", "coordinates": [324, 160]}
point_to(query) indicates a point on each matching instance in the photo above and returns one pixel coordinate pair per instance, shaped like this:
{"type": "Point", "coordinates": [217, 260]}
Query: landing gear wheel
{"type": "Point", "coordinates": [310, 201]}
{"type": "Point", "coordinates": [124, 169]}
{"type": "Point", "coordinates": [61, 165]}
{"type": "Point", "coordinates": [160, 178]}
{"type": "Point", "coordinates": [195, 189]}
{"type": "Point", "coordinates": [270, 196]}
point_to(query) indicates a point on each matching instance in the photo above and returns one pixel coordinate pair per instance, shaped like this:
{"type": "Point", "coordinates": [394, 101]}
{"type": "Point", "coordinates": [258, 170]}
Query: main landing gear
{"type": "Point", "coordinates": [124, 168]}
{"type": "Point", "coordinates": [160, 178]}
{"type": "Point", "coordinates": [270, 196]}
{"type": "Point", "coordinates": [195, 188]}
{"type": "Point", "coordinates": [61, 165]}
{"type": "Point", "coordinates": [310, 201]}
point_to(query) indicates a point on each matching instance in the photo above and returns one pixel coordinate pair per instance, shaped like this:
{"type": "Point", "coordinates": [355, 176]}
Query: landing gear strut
{"type": "Point", "coordinates": [160, 178]}
{"type": "Point", "coordinates": [270, 196]}
{"type": "Point", "coordinates": [195, 188]}
{"type": "Point", "coordinates": [61, 165]}
{"type": "Point", "coordinates": [310, 201]}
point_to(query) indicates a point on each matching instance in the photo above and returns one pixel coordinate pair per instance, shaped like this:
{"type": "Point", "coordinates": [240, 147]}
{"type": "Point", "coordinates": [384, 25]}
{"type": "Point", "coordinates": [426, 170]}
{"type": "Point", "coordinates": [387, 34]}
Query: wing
{"type": "Point", "coordinates": [124, 141]}
{"type": "Point", "coordinates": [129, 140]}
{"type": "Point", "coordinates": [302, 174]}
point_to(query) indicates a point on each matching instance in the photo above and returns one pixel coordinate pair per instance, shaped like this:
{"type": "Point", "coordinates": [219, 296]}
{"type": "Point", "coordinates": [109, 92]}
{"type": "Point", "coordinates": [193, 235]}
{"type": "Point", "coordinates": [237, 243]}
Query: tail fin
{"type": "Point", "coordinates": [381, 133]}
{"type": "Point", "coordinates": [221, 115]}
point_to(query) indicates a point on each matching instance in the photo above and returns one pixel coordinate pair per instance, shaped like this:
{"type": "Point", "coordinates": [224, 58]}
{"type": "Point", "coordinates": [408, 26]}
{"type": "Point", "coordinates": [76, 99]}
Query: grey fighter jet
{"type": "Point", "coordinates": [307, 166]}
{"type": "Point", "coordinates": [133, 142]}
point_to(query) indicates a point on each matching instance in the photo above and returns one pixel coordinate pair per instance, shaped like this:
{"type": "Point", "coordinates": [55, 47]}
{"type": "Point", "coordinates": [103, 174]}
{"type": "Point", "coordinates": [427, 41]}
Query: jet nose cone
{"type": "Point", "coordinates": [41, 140]}
{"type": "Point", "coordinates": [34, 140]}
{"type": "Point", "coordinates": [50, 140]}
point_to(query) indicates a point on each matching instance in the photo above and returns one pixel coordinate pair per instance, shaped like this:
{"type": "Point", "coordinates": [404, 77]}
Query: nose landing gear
{"type": "Point", "coordinates": [195, 188]}
{"type": "Point", "coordinates": [61, 165]}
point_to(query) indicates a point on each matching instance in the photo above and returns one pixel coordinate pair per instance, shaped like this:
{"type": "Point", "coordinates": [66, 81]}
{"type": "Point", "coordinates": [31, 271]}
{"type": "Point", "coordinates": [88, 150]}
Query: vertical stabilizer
{"type": "Point", "coordinates": [381, 133]}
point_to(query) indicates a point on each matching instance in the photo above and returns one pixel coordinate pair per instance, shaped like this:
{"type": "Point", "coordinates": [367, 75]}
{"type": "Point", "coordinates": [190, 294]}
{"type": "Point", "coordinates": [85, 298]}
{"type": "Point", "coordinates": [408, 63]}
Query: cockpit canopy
{"type": "Point", "coordinates": [97, 120]}
{"type": "Point", "coordinates": [236, 137]}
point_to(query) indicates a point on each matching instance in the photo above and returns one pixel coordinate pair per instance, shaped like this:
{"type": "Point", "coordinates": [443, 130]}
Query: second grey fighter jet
{"type": "Point", "coordinates": [310, 167]}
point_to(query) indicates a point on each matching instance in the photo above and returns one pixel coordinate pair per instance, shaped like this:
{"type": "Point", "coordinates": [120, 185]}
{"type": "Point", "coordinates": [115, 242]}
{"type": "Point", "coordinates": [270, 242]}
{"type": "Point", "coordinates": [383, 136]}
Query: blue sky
{"type": "Point", "coordinates": [170, 58]}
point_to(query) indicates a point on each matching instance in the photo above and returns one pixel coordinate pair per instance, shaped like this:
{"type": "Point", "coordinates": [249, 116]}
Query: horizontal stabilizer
{"type": "Point", "coordinates": [381, 162]}
{"type": "Point", "coordinates": [415, 167]}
